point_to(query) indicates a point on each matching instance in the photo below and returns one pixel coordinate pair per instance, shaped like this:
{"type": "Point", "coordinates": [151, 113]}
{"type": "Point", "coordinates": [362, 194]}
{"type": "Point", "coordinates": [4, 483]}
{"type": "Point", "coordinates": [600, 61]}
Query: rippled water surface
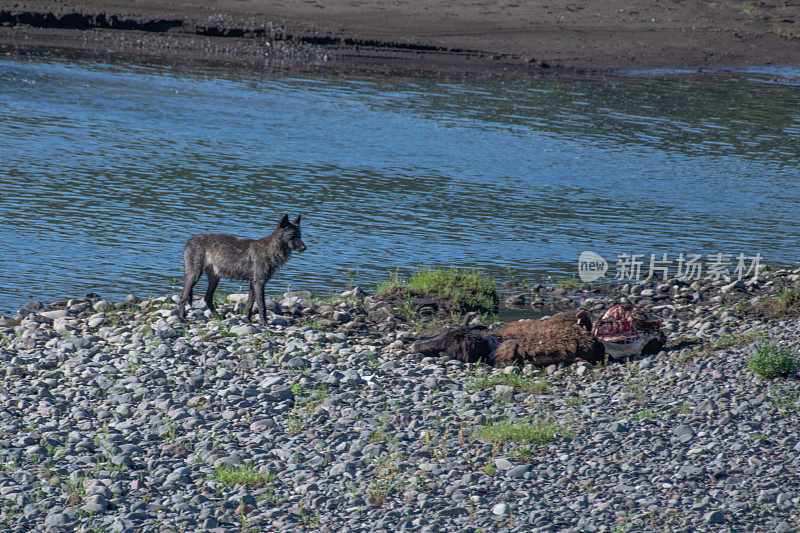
{"type": "Point", "coordinates": [108, 169]}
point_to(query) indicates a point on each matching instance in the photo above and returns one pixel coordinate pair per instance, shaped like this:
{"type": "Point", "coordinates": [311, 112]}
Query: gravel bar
{"type": "Point", "coordinates": [116, 416]}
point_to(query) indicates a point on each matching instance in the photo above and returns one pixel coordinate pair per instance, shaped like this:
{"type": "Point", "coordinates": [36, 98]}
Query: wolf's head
{"type": "Point", "coordinates": [290, 233]}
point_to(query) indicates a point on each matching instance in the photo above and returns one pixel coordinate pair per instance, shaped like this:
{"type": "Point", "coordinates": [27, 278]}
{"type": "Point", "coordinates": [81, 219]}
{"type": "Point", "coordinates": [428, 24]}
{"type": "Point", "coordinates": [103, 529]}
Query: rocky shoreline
{"type": "Point", "coordinates": [118, 417]}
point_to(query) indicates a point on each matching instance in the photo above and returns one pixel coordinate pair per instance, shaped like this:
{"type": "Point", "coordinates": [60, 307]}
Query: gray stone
{"type": "Point", "coordinates": [517, 299]}
{"type": "Point", "coordinates": [714, 517]}
{"type": "Point", "coordinates": [95, 504]}
{"type": "Point", "coordinates": [501, 509]}
{"type": "Point", "coordinates": [297, 362]}
{"type": "Point", "coordinates": [53, 315]}
{"type": "Point", "coordinates": [454, 511]}
{"type": "Point", "coordinates": [683, 433]}
{"type": "Point", "coordinates": [262, 425]}
{"type": "Point", "coordinates": [617, 427]}
{"type": "Point", "coordinates": [352, 377]}
{"type": "Point", "coordinates": [273, 380]}
{"type": "Point", "coordinates": [58, 519]}
{"type": "Point", "coordinates": [243, 330]}
{"type": "Point", "coordinates": [518, 471]}
{"type": "Point", "coordinates": [503, 464]}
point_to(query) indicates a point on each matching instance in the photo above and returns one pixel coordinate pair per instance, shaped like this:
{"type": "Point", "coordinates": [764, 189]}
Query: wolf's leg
{"type": "Point", "coordinates": [258, 290]}
{"type": "Point", "coordinates": [192, 270]}
{"type": "Point", "coordinates": [251, 299]}
{"type": "Point", "coordinates": [213, 281]}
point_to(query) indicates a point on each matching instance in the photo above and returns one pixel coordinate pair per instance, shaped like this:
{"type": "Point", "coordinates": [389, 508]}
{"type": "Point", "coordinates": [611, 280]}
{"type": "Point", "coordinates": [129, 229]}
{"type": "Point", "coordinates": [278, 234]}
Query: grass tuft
{"type": "Point", "coordinates": [739, 340]}
{"type": "Point", "coordinates": [243, 475]}
{"type": "Point", "coordinates": [784, 304]}
{"type": "Point", "coordinates": [771, 361]}
{"type": "Point", "coordinates": [519, 382]}
{"type": "Point", "coordinates": [751, 10]}
{"type": "Point", "coordinates": [523, 431]}
{"type": "Point", "coordinates": [465, 289]}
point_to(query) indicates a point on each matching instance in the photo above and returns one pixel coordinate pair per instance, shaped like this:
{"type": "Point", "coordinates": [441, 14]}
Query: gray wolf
{"type": "Point", "coordinates": [228, 257]}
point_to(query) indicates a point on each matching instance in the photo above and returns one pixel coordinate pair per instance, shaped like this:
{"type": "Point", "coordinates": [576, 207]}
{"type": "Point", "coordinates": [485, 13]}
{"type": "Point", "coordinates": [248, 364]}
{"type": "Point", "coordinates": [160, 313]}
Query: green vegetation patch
{"type": "Point", "coordinates": [457, 290]}
{"type": "Point", "coordinates": [522, 431]}
{"type": "Point", "coordinates": [518, 381]}
{"type": "Point", "coordinates": [738, 340]}
{"type": "Point", "coordinates": [243, 475]}
{"type": "Point", "coordinates": [784, 304]}
{"type": "Point", "coordinates": [771, 361]}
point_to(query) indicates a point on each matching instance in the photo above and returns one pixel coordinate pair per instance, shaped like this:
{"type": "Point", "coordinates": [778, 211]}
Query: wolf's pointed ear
{"type": "Point", "coordinates": [297, 221]}
{"type": "Point", "coordinates": [284, 222]}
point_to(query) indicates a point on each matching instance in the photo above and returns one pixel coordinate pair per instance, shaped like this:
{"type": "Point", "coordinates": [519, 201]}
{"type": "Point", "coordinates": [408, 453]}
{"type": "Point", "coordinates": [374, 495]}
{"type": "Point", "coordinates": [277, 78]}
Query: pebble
{"type": "Point", "coordinates": [501, 509]}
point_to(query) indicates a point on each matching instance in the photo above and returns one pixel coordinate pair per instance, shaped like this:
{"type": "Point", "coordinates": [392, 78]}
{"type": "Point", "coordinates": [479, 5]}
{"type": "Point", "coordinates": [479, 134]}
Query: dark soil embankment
{"type": "Point", "coordinates": [525, 36]}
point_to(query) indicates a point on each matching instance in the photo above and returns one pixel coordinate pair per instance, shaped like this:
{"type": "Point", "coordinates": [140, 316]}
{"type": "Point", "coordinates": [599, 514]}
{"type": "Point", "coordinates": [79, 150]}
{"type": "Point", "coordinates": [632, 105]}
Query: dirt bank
{"type": "Point", "coordinates": [548, 35]}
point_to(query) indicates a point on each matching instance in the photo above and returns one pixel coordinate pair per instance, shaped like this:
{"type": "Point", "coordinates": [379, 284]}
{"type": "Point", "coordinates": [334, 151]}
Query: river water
{"type": "Point", "coordinates": [107, 169]}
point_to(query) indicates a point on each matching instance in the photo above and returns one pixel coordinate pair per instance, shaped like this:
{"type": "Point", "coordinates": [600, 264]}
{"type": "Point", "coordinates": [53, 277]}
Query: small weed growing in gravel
{"type": "Point", "coordinates": [771, 361]}
{"type": "Point", "coordinates": [51, 449]}
{"type": "Point", "coordinates": [524, 452]}
{"type": "Point", "coordinates": [377, 436]}
{"type": "Point", "coordinates": [518, 381]}
{"type": "Point", "coordinates": [10, 465]}
{"type": "Point", "coordinates": [316, 324]}
{"type": "Point", "coordinates": [154, 341]}
{"type": "Point", "coordinates": [520, 431]}
{"type": "Point", "coordinates": [622, 526]}
{"type": "Point", "coordinates": [305, 403]}
{"type": "Point", "coordinates": [635, 386]}
{"type": "Point", "coordinates": [75, 485]}
{"type": "Point", "coordinates": [784, 304]}
{"type": "Point", "coordinates": [647, 414]}
{"type": "Point", "coordinates": [738, 340]}
{"type": "Point", "coordinates": [575, 401]}
{"type": "Point", "coordinates": [751, 10]}
{"type": "Point", "coordinates": [787, 402]}
{"type": "Point", "coordinates": [786, 33]}
{"type": "Point", "coordinates": [170, 429]}
{"type": "Point", "coordinates": [380, 489]}
{"type": "Point", "coordinates": [243, 475]}
{"type": "Point", "coordinates": [133, 367]}
{"type": "Point", "coordinates": [268, 495]}
{"type": "Point", "coordinates": [489, 468]}
{"type": "Point", "coordinates": [224, 328]}
{"type": "Point", "coordinates": [372, 360]}
{"type": "Point", "coordinates": [311, 520]}
{"type": "Point", "coordinates": [419, 482]}
{"type": "Point", "coordinates": [786, 297]}
{"type": "Point", "coordinates": [687, 354]}
{"type": "Point", "coordinates": [683, 409]}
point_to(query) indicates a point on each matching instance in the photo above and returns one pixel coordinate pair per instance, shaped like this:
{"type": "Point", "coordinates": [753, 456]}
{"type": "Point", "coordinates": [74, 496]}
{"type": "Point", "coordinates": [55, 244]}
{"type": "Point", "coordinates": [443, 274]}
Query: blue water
{"type": "Point", "coordinates": [108, 169]}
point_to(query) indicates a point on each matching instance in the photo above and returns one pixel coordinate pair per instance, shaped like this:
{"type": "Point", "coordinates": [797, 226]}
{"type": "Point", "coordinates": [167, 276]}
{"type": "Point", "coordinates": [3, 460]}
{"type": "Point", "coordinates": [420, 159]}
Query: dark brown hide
{"type": "Point", "coordinates": [559, 339]}
{"type": "Point", "coordinates": [459, 342]}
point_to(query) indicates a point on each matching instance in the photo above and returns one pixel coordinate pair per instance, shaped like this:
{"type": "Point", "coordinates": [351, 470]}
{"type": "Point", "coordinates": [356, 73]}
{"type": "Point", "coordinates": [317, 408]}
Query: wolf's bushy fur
{"type": "Point", "coordinates": [228, 257]}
